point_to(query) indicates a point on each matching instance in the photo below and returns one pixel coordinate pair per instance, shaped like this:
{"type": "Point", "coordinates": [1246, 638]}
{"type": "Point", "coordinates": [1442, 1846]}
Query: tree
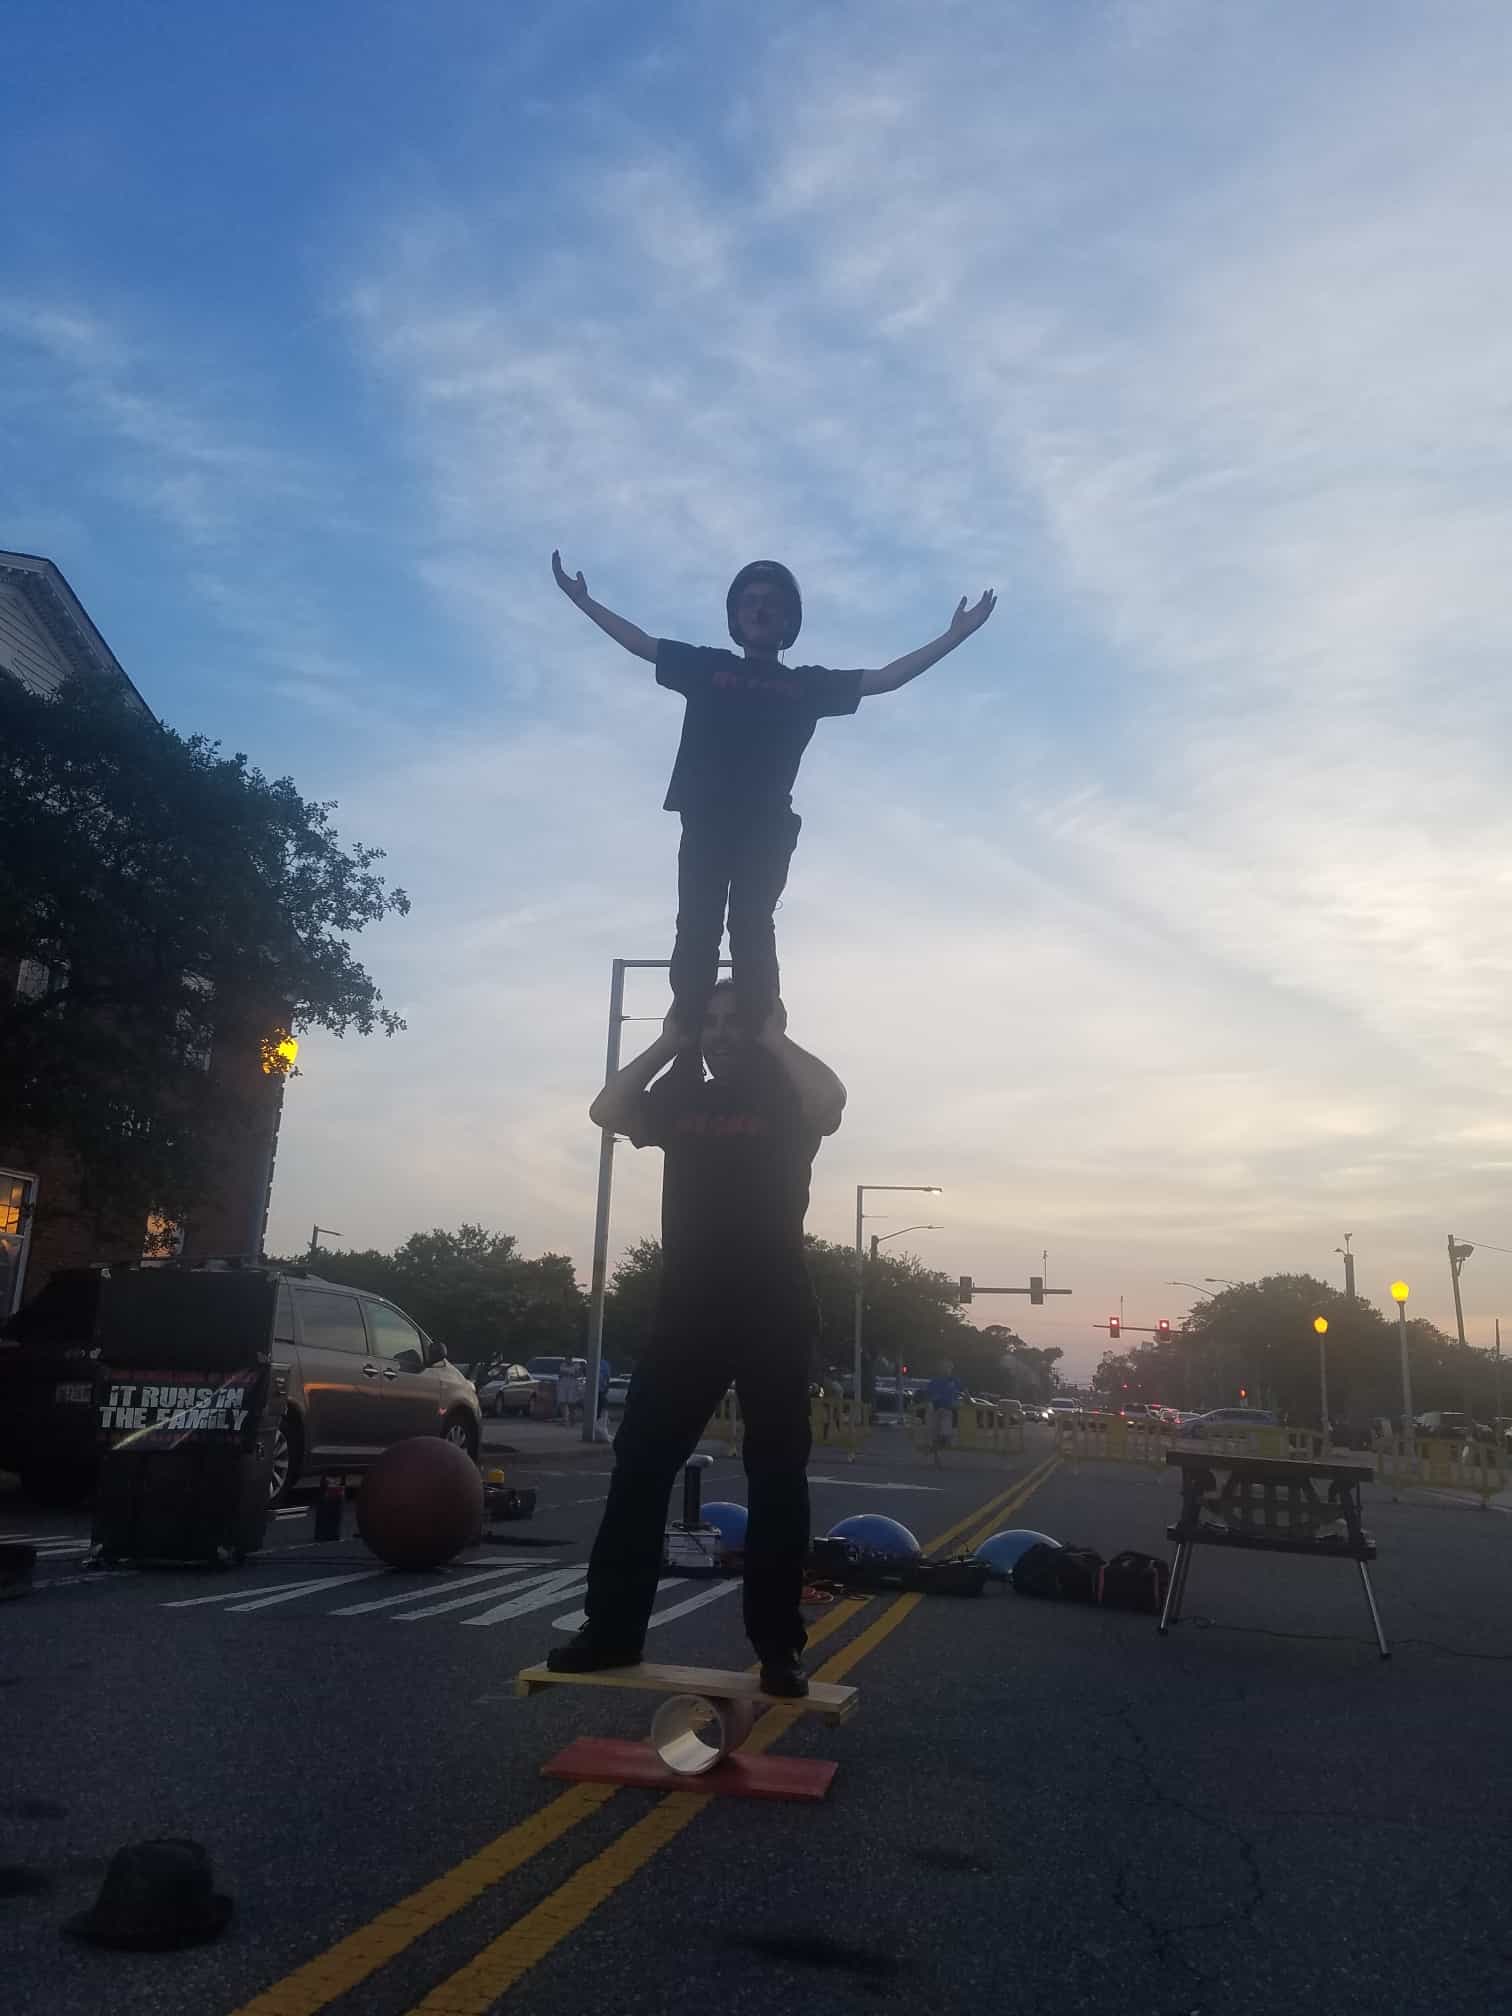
{"type": "Point", "coordinates": [174, 900]}
{"type": "Point", "coordinates": [474, 1292]}
{"type": "Point", "coordinates": [1026, 1371]}
{"type": "Point", "coordinates": [910, 1311]}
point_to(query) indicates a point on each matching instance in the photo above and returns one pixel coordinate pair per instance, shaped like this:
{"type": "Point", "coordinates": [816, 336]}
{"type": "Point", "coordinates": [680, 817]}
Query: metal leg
{"type": "Point", "coordinates": [1173, 1587]}
{"type": "Point", "coordinates": [1375, 1615]}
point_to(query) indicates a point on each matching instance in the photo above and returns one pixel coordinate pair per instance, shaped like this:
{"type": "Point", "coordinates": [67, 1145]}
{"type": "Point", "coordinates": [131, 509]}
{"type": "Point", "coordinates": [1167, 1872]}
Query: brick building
{"type": "Point", "coordinates": [46, 637]}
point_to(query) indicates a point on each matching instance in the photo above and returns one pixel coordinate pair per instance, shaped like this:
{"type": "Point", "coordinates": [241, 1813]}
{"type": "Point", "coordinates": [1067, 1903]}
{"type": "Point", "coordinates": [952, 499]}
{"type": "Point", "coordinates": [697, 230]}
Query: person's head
{"type": "Point", "coordinates": [721, 1037]}
{"type": "Point", "coordinates": [764, 609]}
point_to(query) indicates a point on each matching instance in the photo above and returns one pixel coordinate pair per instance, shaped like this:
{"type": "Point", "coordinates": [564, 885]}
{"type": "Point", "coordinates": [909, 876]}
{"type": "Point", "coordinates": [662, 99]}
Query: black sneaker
{"type": "Point", "coordinates": [587, 1653]}
{"type": "Point", "coordinates": [783, 1677]}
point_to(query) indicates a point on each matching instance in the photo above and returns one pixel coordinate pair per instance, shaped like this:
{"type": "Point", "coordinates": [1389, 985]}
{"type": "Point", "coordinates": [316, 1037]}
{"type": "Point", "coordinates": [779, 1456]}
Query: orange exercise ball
{"type": "Point", "coordinates": [421, 1503]}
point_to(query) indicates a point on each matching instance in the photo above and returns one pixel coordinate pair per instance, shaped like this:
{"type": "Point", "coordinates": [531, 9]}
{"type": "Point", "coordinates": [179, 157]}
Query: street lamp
{"type": "Point", "coordinates": [1399, 1293]}
{"type": "Point", "coordinates": [881, 1238]}
{"type": "Point", "coordinates": [1218, 1281]}
{"type": "Point", "coordinates": [315, 1232]}
{"type": "Point", "coordinates": [914, 1189]}
{"type": "Point", "coordinates": [1320, 1324]}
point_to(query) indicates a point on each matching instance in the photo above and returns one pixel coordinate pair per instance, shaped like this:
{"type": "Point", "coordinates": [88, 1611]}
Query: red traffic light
{"type": "Point", "coordinates": [1163, 1327]}
{"type": "Point", "coordinates": [1115, 1325]}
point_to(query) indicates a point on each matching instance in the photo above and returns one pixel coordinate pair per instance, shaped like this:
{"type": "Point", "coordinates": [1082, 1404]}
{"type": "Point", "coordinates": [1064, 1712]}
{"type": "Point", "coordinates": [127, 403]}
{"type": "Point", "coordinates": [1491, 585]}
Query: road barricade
{"type": "Point", "coordinates": [1441, 1465]}
{"type": "Point", "coordinates": [982, 1429]}
{"type": "Point", "coordinates": [725, 1425]}
{"type": "Point", "coordinates": [839, 1424]}
{"type": "Point", "coordinates": [1104, 1438]}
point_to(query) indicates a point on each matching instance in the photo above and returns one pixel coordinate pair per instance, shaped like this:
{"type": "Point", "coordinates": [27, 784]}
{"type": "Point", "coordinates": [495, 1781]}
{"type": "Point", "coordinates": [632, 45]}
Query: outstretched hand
{"type": "Point", "coordinates": [573, 586]}
{"type": "Point", "coordinates": [965, 620]}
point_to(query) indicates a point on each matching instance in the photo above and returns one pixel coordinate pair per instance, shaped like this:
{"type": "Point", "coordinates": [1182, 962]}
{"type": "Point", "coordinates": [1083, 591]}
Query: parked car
{"type": "Point", "coordinates": [1223, 1421]}
{"type": "Point", "coordinates": [618, 1393]}
{"type": "Point", "coordinates": [546, 1368]}
{"type": "Point", "coordinates": [352, 1372]}
{"type": "Point", "coordinates": [507, 1389]}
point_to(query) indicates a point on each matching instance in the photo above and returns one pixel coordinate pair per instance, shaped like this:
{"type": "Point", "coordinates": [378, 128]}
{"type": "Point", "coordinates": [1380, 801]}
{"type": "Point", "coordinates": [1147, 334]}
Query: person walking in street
{"type": "Point", "coordinates": [735, 1304]}
{"type": "Point", "coordinates": [944, 1396]}
{"type": "Point", "coordinates": [748, 720]}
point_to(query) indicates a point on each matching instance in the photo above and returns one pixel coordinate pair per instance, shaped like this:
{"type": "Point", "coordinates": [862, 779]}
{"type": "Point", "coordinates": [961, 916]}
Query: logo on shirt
{"type": "Point", "coordinates": [789, 689]}
{"type": "Point", "coordinates": [723, 1126]}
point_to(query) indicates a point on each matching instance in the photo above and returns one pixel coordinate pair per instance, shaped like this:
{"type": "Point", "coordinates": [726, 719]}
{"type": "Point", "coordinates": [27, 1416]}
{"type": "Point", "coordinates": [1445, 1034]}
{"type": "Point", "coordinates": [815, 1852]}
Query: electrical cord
{"type": "Point", "coordinates": [1345, 1638]}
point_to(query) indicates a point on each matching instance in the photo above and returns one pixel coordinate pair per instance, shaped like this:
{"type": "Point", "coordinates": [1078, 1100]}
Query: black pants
{"type": "Point", "coordinates": [676, 1388]}
{"type": "Point", "coordinates": [739, 861]}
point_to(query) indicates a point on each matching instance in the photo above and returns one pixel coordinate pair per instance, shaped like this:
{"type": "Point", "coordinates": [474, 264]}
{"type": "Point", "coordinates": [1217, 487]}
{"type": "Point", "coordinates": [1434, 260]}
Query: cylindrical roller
{"type": "Point", "coordinates": [691, 1733]}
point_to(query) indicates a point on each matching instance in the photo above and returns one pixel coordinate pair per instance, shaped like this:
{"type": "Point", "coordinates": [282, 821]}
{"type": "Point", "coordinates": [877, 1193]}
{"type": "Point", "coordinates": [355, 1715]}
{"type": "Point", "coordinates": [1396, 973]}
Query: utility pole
{"type": "Point", "coordinates": [1459, 1253]}
{"type": "Point", "coordinates": [1496, 1374]}
{"type": "Point", "coordinates": [1349, 1287]}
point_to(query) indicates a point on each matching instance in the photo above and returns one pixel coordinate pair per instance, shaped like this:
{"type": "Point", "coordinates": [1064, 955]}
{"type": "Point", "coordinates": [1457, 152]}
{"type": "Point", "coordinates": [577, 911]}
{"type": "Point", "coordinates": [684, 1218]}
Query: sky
{"type": "Point", "coordinates": [1164, 924]}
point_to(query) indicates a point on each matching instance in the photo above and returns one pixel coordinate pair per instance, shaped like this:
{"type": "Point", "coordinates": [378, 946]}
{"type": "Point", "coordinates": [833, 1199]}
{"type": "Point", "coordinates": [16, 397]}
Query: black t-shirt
{"type": "Point", "coordinates": [747, 725]}
{"type": "Point", "coordinates": [736, 1184]}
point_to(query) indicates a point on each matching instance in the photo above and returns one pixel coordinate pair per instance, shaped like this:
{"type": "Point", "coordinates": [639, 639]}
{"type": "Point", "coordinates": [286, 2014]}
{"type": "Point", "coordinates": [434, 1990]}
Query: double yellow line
{"type": "Point", "coordinates": [473, 1988]}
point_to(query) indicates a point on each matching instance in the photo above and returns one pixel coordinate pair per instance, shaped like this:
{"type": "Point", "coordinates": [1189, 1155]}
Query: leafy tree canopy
{"type": "Point", "coordinates": [174, 901]}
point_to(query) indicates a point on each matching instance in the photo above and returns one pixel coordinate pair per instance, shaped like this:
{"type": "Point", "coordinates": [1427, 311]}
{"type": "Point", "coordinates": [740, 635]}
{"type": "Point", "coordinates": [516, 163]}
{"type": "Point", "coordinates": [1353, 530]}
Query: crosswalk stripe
{"type": "Point", "coordinates": [307, 1589]}
{"type": "Point", "coordinates": [576, 1619]}
{"type": "Point", "coordinates": [230, 1595]}
{"type": "Point", "coordinates": [547, 1586]}
{"type": "Point", "coordinates": [557, 1587]}
{"type": "Point", "coordinates": [693, 1603]}
{"type": "Point", "coordinates": [490, 1575]}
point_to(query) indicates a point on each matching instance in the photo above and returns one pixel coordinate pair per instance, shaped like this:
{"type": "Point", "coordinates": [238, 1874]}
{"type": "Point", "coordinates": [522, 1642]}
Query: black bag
{"type": "Point", "coordinates": [1070, 1574]}
{"type": "Point", "coordinates": [1133, 1581]}
{"type": "Point", "coordinates": [959, 1576]}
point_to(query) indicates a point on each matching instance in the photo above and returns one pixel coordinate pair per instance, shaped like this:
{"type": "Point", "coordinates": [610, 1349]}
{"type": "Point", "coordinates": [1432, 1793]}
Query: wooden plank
{"type": "Point", "coordinates": [833, 1703]}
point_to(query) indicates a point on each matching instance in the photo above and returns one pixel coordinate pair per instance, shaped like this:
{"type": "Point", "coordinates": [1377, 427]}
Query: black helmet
{"type": "Point", "coordinates": [767, 570]}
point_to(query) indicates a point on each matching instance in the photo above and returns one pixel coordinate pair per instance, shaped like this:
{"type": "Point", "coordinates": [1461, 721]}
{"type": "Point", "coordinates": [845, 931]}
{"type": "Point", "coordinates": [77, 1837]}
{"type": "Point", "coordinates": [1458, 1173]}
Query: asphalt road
{"type": "Point", "coordinates": [1037, 1806]}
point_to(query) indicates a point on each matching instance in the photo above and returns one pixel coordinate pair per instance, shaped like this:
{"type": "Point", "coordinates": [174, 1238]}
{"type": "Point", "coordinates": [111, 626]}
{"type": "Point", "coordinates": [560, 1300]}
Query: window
{"type": "Point", "coordinates": [32, 979]}
{"type": "Point", "coordinates": [333, 1322]}
{"type": "Point", "coordinates": [283, 1318]}
{"type": "Point", "coordinates": [394, 1336]}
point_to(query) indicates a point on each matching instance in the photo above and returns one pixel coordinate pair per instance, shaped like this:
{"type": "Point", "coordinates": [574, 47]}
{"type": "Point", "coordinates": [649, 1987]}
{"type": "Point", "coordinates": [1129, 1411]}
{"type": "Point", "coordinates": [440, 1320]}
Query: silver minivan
{"type": "Point", "coordinates": [355, 1374]}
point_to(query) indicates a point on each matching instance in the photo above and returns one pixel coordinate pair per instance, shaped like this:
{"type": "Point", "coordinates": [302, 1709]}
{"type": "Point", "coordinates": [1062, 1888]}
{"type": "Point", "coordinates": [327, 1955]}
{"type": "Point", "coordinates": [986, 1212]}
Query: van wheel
{"type": "Point", "coordinates": [288, 1454]}
{"type": "Point", "coordinates": [464, 1433]}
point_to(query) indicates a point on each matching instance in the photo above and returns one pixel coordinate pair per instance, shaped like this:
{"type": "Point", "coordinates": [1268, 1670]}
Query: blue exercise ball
{"type": "Point", "coordinates": [877, 1538]}
{"type": "Point", "coordinates": [1002, 1550]}
{"type": "Point", "coordinates": [729, 1521]}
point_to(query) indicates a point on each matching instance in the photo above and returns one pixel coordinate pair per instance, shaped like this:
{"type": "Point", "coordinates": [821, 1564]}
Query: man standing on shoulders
{"type": "Point", "coordinates": [736, 1304]}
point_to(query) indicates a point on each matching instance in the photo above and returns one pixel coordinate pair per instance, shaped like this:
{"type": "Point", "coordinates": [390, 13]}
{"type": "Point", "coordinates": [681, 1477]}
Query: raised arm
{"type": "Point", "coordinates": [615, 1106]}
{"type": "Point", "coordinates": [901, 670]}
{"type": "Point", "coordinates": [575, 588]}
{"type": "Point", "coordinates": [820, 1093]}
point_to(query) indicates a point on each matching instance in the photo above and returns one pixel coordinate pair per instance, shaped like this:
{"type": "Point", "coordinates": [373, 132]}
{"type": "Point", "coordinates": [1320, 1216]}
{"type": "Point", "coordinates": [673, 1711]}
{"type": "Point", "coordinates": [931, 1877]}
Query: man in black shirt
{"type": "Point", "coordinates": [735, 1304]}
{"type": "Point", "coordinates": [747, 723]}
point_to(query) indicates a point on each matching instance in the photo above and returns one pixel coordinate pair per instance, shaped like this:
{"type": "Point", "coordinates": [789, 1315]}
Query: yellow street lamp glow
{"type": "Point", "coordinates": [1399, 1291]}
{"type": "Point", "coordinates": [278, 1058]}
{"type": "Point", "coordinates": [1320, 1324]}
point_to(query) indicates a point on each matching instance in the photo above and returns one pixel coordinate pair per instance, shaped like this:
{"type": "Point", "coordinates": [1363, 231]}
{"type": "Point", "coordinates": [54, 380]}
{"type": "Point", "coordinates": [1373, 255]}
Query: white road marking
{"type": "Point", "coordinates": [230, 1595]}
{"type": "Point", "coordinates": [854, 1484]}
{"type": "Point", "coordinates": [308, 1589]}
{"type": "Point", "coordinates": [576, 1619]}
{"type": "Point", "coordinates": [566, 1582]}
{"type": "Point", "coordinates": [694, 1603]}
{"type": "Point", "coordinates": [490, 1575]}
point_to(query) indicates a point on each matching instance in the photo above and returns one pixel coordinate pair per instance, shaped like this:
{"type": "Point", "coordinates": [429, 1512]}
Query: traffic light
{"type": "Point", "coordinates": [1036, 1288]}
{"type": "Point", "coordinates": [1115, 1325]}
{"type": "Point", "coordinates": [966, 1286]}
{"type": "Point", "coordinates": [902, 1371]}
{"type": "Point", "coordinates": [1163, 1327]}
{"type": "Point", "coordinates": [1244, 1393]}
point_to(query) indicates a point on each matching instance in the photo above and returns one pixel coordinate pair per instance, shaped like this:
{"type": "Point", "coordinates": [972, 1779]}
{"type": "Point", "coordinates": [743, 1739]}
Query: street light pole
{"type": "Point", "coordinates": [315, 1232]}
{"type": "Point", "coordinates": [1399, 1293]}
{"type": "Point", "coordinates": [881, 1238]}
{"type": "Point", "coordinates": [929, 1189]}
{"type": "Point", "coordinates": [598, 1280]}
{"type": "Point", "coordinates": [1320, 1324]}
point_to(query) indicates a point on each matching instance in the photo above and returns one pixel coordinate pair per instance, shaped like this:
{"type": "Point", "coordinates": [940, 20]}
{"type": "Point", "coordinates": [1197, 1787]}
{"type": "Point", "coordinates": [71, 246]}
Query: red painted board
{"type": "Point", "coordinates": [611, 1760]}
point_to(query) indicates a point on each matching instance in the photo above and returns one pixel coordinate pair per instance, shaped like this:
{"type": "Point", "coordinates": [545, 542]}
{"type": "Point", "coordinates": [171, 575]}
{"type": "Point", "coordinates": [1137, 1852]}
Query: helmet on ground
{"type": "Point", "coordinates": [1002, 1550]}
{"type": "Point", "coordinates": [729, 1521]}
{"type": "Point", "coordinates": [767, 570]}
{"type": "Point", "coordinates": [877, 1538]}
